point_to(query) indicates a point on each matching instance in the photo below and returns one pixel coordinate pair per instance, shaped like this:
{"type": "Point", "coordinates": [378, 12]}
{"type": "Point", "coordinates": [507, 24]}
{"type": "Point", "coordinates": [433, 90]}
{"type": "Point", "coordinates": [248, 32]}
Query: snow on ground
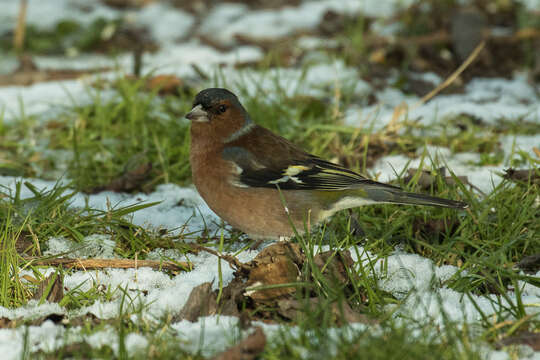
{"type": "Point", "coordinates": [489, 100]}
{"type": "Point", "coordinates": [46, 14]}
{"type": "Point", "coordinates": [486, 99]}
{"type": "Point", "coordinates": [226, 21]}
{"type": "Point", "coordinates": [180, 209]}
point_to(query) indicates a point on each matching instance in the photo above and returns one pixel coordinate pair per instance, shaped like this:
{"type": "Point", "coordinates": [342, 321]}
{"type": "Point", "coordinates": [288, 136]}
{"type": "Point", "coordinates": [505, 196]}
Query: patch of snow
{"type": "Point", "coordinates": [40, 97]}
{"type": "Point", "coordinates": [486, 178]}
{"type": "Point", "coordinates": [531, 5]}
{"type": "Point", "coordinates": [489, 100]}
{"type": "Point", "coordinates": [46, 14]}
{"type": "Point", "coordinates": [225, 22]}
{"type": "Point", "coordinates": [209, 334]}
{"type": "Point", "coordinates": [314, 80]}
{"type": "Point", "coordinates": [313, 43]}
{"type": "Point", "coordinates": [180, 209]}
{"type": "Point", "coordinates": [166, 23]}
{"type": "Point", "coordinates": [96, 245]}
{"type": "Point", "coordinates": [421, 284]}
{"type": "Point", "coordinates": [31, 310]}
{"type": "Point", "coordinates": [177, 58]}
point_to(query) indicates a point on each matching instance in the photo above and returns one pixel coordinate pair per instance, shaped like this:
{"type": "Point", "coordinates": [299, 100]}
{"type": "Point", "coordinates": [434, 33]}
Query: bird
{"type": "Point", "coordinates": [266, 186]}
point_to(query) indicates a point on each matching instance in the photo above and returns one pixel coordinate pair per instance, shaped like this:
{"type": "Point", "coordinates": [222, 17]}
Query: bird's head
{"type": "Point", "coordinates": [217, 112]}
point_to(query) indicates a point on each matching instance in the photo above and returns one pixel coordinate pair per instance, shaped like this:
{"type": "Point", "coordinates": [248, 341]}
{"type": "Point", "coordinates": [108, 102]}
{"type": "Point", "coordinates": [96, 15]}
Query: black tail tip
{"type": "Point", "coordinates": [461, 205]}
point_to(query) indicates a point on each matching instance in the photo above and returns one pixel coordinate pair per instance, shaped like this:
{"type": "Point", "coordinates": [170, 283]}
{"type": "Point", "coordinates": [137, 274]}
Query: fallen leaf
{"type": "Point", "coordinates": [26, 75]}
{"type": "Point", "coordinates": [434, 227]}
{"type": "Point", "coordinates": [55, 318]}
{"type": "Point", "coordinates": [25, 244]}
{"type": "Point", "coordinates": [127, 4]}
{"type": "Point", "coordinates": [275, 265]}
{"type": "Point", "coordinates": [51, 289]}
{"type": "Point", "coordinates": [342, 313]}
{"type": "Point", "coordinates": [164, 84]}
{"type": "Point", "coordinates": [247, 349]}
{"type": "Point", "coordinates": [335, 264]}
{"type": "Point", "coordinates": [530, 264]}
{"type": "Point", "coordinates": [526, 338]}
{"type": "Point", "coordinates": [524, 176]}
{"type": "Point", "coordinates": [6, 323]}
{"type": "Point", "coordinates": [281, 271]}
{"type": "Point", "coordinates": [201, 302]}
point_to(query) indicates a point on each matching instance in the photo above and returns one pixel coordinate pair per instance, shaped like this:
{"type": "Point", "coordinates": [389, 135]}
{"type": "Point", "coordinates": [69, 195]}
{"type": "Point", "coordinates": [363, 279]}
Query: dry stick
{"type": "Point", "coordinates": [18, 36]}
{"type": "Point", "coordinates": [454, 75]}
{"type": "Point", "coordinates": [400, 109]}
{"type": "Point", "coordinates": [91, 264]}
{"type": "Point", "coordinates": [233, 262]}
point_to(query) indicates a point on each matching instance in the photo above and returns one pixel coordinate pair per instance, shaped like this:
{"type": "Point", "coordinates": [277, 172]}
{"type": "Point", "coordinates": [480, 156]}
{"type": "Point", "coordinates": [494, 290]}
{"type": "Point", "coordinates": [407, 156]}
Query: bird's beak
{"type": "Point", "coordinates": [197, 114]}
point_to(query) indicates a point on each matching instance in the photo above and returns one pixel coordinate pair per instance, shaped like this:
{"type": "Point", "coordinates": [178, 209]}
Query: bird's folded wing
{"type": "Point", "coordinates": [303, 172]}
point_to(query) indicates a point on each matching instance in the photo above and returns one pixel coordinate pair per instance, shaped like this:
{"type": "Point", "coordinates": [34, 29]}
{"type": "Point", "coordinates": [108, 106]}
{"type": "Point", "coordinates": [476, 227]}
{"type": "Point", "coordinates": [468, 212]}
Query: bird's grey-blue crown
{"type": "Point", "coordinates": [211, 96]}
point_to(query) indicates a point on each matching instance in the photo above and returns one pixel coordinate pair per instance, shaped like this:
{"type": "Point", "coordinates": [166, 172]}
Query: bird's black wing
{"type": "Point", "coordinates": [307, 172]}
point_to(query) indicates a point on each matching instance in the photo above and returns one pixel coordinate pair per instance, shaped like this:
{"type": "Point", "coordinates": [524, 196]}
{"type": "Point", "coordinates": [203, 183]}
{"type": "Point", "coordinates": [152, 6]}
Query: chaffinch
{"type": "Point", "coordinates": [238, 166]}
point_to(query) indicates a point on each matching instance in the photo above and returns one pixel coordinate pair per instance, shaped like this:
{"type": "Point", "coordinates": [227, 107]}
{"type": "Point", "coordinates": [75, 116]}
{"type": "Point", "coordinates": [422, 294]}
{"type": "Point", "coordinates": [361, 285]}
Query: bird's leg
{"type": "Point", "coordinates": [256, 245]}
{"type": "Point", "coordinates": [356, 229]}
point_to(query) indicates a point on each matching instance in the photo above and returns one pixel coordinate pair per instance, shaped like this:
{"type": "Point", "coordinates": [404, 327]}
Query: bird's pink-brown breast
{"type": "Point", "coordinates": [259, 212]}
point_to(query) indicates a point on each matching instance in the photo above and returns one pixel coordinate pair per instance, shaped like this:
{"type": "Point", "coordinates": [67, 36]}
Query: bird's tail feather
{"type": "Point", "coordinates": [398, 196]}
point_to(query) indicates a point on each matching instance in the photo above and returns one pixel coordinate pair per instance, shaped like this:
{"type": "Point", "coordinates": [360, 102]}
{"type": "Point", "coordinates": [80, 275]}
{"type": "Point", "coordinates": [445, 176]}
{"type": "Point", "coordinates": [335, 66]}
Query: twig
{"type": "Point", "coordinates": [91, 264]}
{"type": "Point", "coordinates": [18, 36]}
{"type": "Point", "coordinates": [400, 109]}
{"type": "Point", "coordinates": [233, 262]}
{"type": "Point", "coordinates": [453, 77]}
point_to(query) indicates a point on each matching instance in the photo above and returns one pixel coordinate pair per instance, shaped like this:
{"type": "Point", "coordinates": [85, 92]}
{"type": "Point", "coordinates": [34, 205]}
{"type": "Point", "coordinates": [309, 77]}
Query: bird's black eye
{"type": "Point", "coordinates": [222, 108]}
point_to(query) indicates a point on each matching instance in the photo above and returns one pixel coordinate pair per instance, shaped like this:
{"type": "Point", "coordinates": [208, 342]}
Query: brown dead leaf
{"type": "Point", "coordinates": [25, 244]}
{"type": "Point", "coordinates": [526, 338]}
{"type": "Point", "coordinates": [88, 319]}
{"type": "Point", "coordinates": [275, 265]}
{"type": "Point", "coordinates": [335, 264]}
{"type": "Point", "coordinates": [342, 313]}
{"type": "Point", "coordinates": [201, 302]}
{"type": "Point", "coordinates": [164, 84]}
{"type": "Point", "coordinates": [536, 152]}
{"type": "Point", "coordinates": [127, 4]}
{"type": "Point", "coordinates": [434, 226]}
{"type": "Point", "coordinates": [6, 323]}
{"type": "Point", "coordinates": [55, 318]}
{"type": "Point", "coordinates": [232, 299]}
{"type": "Point", "coordinates": [279, 249]}
{"type": "Point", "coordinates": [523, 176]}
{"type": "Point", "coordinates": [530, 264]}
{"type": "Point", "coordinates": [130, 181]}
{"type": "Point", "coordinates": [280, 271]}
{"type": "Point", "coordinates": [50, 289]}
{"type": "Point", "coordinates": [247, 349]}
{"type": "Point", "coordinates": [28, 73]}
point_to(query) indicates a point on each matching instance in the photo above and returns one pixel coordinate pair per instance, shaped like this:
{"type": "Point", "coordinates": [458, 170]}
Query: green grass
{"type": "Point", "coordinates": [106, 138]}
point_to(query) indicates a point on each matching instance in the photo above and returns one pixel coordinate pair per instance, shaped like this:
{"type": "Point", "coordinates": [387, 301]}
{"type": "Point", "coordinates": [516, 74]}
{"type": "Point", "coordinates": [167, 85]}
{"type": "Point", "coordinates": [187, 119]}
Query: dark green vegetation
{"type": "Point", "coordinates": [135, 127]}
{"type": "Point", "coordinates": [133, 139]}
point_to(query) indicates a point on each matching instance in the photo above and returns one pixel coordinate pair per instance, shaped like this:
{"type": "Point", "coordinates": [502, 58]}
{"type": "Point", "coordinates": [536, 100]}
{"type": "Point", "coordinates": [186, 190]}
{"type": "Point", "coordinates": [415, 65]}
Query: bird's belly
{"type": "Point", "coordinates": [259, 212]}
